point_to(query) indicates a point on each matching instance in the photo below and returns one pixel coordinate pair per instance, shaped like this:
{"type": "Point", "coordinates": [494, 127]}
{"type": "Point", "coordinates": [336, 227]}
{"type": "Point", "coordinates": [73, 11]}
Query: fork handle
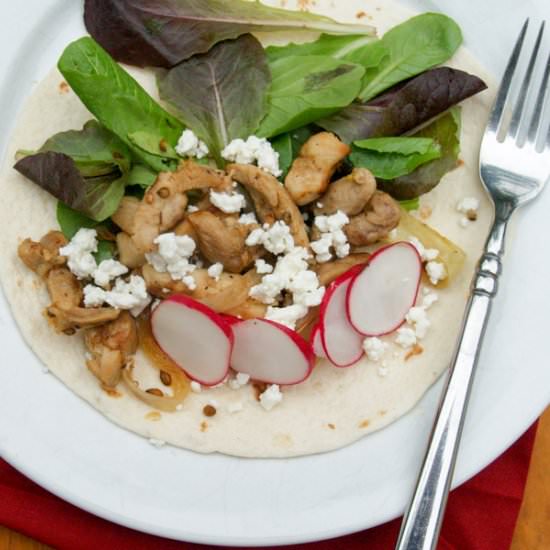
{"type": "Point", "coordinates": [422, 522]}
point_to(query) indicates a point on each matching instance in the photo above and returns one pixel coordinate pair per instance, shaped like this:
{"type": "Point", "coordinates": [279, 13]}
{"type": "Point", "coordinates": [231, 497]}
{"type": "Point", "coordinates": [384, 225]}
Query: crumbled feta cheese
{"type": "Point", "coordinates": [108, 270]}
{"type": "Point", "coordinates": [157, 443]}
{"type": "Point", "coordinates": [419, 320]}
{"type": "Point", "coordinates": [130, 295]}
{"type": "Point", "coordinates": [406, 337]}
{"type": "Point", "coordinates": [262, 267]}
{"type": "Point", "coordinates": [179, 407]}
{"type": "Point", "coordinates": [275, 239]}
{"type": "Point", "coordinates": [230, 203]}
{"type": "Point", "coordinates": [426, 254]}
{"type": "Point", "coordinates": [191, 209]}
{"type": "Point", "coordinates": [235, 407]}
{"type": "Point", "coordinates": [392, 235]}
{"type": "Point", "coordinates": [464, 222]}
{"type": "Point", "coordinates": [436, 272]}
{"type": "Point", "coordinates": [79, 253]}
{"type": "Point", "coordinates": [291, 273]}
{"type": "Point", "coordinates": [467, 205]}
{"type": "Point", "coordinates": [254, 150]}
{"type": "Point", "coordinates": [215, 271]}
{"type": "Point", "coordinates": [271, 397]}
{"type": "Point", "coordinates": [189, 145]}
{"type": "Point", "coordinates": [94, 296]}
{"type": "Point", "coordinates": [248, 219]}
{"type": "Point", "coordinates": [332, 236]}
{"type": "Point", "coordinates": [319, 205]}
{"type": "Point", "coordinates": [196, 387]}
{"type": "Point", "coordinates": [374, 348]}
{"type": "Point", "coordinates": [255, 237]}
{"type": "Point", "coordinates": [287, 316]}
{"type": "Point", "coordinates": [241, 379]}
{"type": "Point", "coordinates": [305, 288]}
{"type": "Point", "coordinates": [430, 298]}
{"type": "Point", "coordinates": [173, 257]}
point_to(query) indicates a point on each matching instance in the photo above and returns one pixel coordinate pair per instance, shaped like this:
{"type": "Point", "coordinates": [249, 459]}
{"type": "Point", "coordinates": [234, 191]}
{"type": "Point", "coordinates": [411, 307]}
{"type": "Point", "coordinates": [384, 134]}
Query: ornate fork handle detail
{"type": "Point", "coordinates": [513, 173]}
{"type": "Point", "coordinates": [420, 528]}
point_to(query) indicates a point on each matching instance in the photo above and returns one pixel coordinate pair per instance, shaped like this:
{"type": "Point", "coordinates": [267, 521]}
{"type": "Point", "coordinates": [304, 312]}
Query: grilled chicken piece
{"type": "Point", "coordinates": [330, 271]}
{"type": "Point", "coordinates": [250, 309]}
{"type": "Point", "coordinates": [65, 314]}
{"type": "Point", "coordinates": [128, 253]}
{"type": "Point", "coordinates": [111, 346]}
{"type": "Point", "coordinates": [64, 288]}
{"type": "Point", "coordinates": [163, 205]}
{"type": "Point", "coordinates": [43, 256]}
{"type": "Point", "coordinates": [185, 228]}
{"type": "Point", "coordinates": [126, 214]}
{"type": "Point", "coordinates": [381, 215]}
{"type": "Point", "coordinates": [350, 194]}
{"type": "Point", "coordinates": [310, 173]}
{"type": "Point", "coordinates": [222, 239]}
{"type": "Point", "coordinates": [271, 200]}
{"type": "Point", "coordinates": [223, 295]}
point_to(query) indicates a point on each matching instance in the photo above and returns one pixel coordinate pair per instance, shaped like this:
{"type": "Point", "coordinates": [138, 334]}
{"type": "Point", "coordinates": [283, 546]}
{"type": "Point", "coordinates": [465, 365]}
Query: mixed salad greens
{"type": "Point", "coordinates": [341, 128]}
{"type": "Point", "coordinates": [218, 80]}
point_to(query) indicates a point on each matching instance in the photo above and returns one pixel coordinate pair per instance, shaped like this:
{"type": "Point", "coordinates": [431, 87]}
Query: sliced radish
{"type": "Point", "coordinates": [270, 352]}
{"type": "Point", "coordinates": [316, 342]}
{"type": "Point", "coordinates": [343, 345]}
{"type": "Point", "coordinates": [195, 337]}
{"type": "Point", "coordinates": [383, 292]}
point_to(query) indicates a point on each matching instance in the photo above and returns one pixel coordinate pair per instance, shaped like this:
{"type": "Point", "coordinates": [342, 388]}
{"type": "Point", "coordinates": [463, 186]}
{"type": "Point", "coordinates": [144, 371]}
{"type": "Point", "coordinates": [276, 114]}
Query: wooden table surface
{"type": "Point", "coordinates": [532, 530]}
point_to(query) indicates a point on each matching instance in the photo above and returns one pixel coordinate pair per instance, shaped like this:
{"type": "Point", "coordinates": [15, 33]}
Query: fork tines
{"type": "Point", "coordinates": [537, 131]}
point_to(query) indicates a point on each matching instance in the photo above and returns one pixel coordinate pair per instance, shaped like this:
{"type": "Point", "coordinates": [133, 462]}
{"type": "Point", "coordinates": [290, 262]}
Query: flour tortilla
{"type": "Point", "coordinates": [335, 406]}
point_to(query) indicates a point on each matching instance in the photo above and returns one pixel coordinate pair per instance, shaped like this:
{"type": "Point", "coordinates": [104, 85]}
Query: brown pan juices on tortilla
{"type": "Point", "coordinates": [144, 246]}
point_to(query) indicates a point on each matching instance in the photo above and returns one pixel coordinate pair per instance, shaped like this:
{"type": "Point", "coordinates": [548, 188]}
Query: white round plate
{"type": "Point", "coordinates": [67, 447]}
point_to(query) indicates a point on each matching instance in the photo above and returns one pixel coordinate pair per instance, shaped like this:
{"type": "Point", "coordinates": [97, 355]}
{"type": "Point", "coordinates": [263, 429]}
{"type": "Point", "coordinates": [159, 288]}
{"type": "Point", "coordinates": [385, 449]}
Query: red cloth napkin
{"type": "Point", "coordinates": [481, 514]}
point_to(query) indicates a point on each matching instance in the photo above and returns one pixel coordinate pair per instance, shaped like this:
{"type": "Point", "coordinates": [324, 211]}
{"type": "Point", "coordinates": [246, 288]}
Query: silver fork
{"type": "Point", "coordinates": [513, 172]}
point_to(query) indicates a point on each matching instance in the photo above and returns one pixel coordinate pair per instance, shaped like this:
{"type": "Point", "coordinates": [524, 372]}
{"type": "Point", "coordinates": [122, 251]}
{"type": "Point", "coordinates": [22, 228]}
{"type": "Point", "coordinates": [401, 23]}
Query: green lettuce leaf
{"type": "Point", "coordinates": [142, 175]}
{"type": "Point", "coordinates": [339, 47]}
{"type": "Point", "coordinates": [411, 48]}
{"type": "Point", "coordinates": [390, 158]}
{"type": "Point", "coordinates": [70, 221]}
{"type": "Point", "coordinates": [307, 88]}
{"type": "Point", "coordinates": [119, 102]}
{"type": "Point", "coordinates": [288, 146]}
{"type": "Point", "coordinates": [446, 132]}
{"type": "Point", "coordinates": [221, 95]}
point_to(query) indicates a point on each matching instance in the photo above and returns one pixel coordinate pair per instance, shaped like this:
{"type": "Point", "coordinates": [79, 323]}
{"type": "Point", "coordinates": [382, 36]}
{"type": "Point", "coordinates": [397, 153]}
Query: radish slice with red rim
{"type": "Point", "coordinates": [316, 342]}
{"type": "Point", "coordinates": [381, 295]}
{"type": "Point", "coordinates": [195, 337]}
{"type": "Point", "coordinates": [270, 352]}
{"type": "Point", "coordinates": [342, 344]}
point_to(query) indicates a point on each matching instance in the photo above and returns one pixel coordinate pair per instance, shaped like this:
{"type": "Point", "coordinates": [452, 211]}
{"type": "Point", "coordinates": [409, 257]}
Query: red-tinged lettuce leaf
{"type": "Point", "coordinates": [57, 173]}
{"type": "Point", "coordinates": [165, 32]}
{"type": "Point", "coordinates": [446, 132]}
{"type": "Point", "coordinates": [405, 106]}
{"type": "Point", "coordinates": [220, 95]}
